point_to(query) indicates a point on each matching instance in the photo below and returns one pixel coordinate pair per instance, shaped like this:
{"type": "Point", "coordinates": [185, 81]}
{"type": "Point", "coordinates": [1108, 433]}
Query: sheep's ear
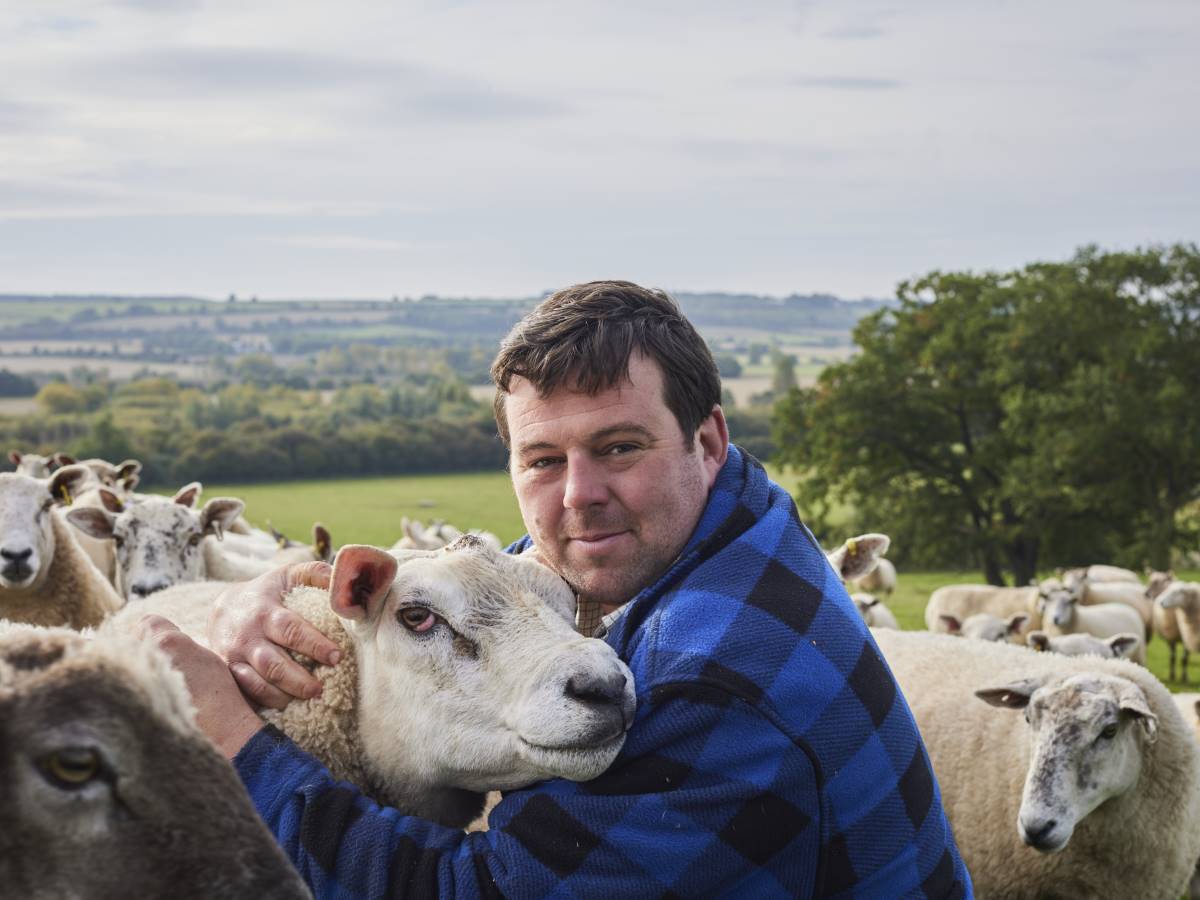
{"type": "Point", "coordinates": [63, 459]}
{"type": "Point", "coordinates": [127, 468]}
{"type": "Point", "coordinates": [187, 495]}
{"type": "Point", "coordinates": [97, 523]}
{"type": "Point", "coordinates": [1010, 696]}
{"type": "Point", "coordinates": [129, 482]}
{"type": "Point", "coordinates": [15, 457]}
{"type": "Point", "coordinates": [953, 625]}
{"type": "Point", "coordinates": [110, 500]}
{"type": "Point", "coordinates": [362, 577]}
{"type": "Point", "coordinates": [1133, 703]}
{"type": "Point", "coordinates": [322, 542]}
{"type": "Point", "coordinates": [859, 555]}
{"type": "Point", "coordinates": [1038, 640]}
{"type": "Point", "coordinates": [66, 482]}
{"type": "Point", "coordinates": [218, 514]}
{"type": "Point", "coordinates": [1016, 622]}
{"type": "Point", "coordinates": [1123, 644]}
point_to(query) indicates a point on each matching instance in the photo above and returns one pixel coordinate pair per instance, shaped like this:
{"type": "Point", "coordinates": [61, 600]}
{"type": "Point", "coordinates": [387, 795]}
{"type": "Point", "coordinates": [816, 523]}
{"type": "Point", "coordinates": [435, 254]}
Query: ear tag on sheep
{"type": "Point", "coordinates": [851, 547]}
{"type": "Point", "coordinates": [66, 494]}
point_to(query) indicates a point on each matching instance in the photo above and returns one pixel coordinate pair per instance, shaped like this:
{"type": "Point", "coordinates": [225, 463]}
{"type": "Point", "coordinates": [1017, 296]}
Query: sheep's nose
{"type": "Point", "coordinates": [16, 556]}
{"type": "Point", "coordinates": [604, 689]}
{"type": "Point", "coordinates": [1035, 836]}
{"type": "Point", "coordinates": [145, 589]}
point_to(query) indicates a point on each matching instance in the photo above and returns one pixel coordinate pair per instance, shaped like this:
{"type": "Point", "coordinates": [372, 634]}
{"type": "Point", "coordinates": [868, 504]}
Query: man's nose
{"type": "Point", "coordinates": [586, 484]}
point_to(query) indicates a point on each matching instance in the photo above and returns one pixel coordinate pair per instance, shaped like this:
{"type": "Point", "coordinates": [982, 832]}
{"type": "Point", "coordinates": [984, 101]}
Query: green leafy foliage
{"type": "Point", "coordinates": [1009, 420]}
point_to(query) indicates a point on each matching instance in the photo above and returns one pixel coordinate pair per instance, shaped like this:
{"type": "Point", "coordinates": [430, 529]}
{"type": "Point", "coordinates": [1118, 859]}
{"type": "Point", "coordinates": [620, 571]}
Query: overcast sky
{"type": "Point", "coordinates": [377, 147]}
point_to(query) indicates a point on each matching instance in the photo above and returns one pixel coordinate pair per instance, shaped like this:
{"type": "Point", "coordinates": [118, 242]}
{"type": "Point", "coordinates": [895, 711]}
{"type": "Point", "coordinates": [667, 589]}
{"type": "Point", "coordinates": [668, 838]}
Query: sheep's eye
{"type": "Point", "coordinates": [71, 768]}
{"type": "Point", "coordinates": [418, 619]}
{"type": "Point", "coordinates": [195, 539]}
{"type": "Point", "coordinates": [1109, 731]}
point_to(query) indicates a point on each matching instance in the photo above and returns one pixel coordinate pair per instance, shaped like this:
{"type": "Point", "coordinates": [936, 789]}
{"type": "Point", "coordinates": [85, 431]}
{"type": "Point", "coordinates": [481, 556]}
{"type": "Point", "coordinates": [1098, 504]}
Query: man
{"type": "Point", "coordinates": [772, 753]}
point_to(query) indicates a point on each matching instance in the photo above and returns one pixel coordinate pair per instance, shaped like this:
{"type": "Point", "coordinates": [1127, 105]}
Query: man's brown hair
{"type": "Point", "coordinates": [583, 336]}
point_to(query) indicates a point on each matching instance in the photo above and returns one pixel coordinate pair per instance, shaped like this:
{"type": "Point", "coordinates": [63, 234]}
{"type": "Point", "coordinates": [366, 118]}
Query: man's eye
{"type": "Point", "coordinates": [544, 462]}
{"type": "Point", "coordinates": [621, 449]}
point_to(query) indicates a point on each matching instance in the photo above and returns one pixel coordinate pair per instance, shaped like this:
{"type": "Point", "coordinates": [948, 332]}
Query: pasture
{"type": "Point", "coordinates": [368, 511]}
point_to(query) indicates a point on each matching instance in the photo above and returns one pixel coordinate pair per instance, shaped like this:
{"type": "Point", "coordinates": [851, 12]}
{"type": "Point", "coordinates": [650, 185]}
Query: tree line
{"type": "Point", "coordinates": [1014, 420]}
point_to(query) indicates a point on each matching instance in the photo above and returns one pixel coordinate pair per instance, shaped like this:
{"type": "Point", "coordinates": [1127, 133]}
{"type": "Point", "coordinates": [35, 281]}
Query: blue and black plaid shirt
{"type": "Point", "coordinates": [772, 754]}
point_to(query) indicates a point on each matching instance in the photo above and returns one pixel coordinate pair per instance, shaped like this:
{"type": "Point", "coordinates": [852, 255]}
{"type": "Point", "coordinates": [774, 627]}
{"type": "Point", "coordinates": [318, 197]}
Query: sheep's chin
{"type": "Point", "coordinates": [572, 763]}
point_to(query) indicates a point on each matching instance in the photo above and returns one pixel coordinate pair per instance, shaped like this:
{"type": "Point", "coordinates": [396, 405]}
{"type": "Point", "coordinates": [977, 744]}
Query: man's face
{"type": "Point", "coordinates": [609, 487]}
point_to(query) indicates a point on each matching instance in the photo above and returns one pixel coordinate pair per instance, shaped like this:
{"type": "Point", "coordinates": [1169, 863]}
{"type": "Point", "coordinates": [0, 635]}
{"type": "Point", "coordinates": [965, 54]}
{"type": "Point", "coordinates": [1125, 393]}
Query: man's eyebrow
{"type": "Point", "coordinates": [620, 428]}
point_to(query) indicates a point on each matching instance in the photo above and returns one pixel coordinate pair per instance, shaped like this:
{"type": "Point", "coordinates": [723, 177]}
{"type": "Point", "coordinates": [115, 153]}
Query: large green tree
{"type": "Point", "coordinates": [1011, 420]}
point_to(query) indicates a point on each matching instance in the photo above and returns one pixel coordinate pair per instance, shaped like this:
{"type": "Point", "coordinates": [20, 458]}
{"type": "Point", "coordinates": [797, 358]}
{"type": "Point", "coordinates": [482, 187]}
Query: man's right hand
{"type": "Point", "coordinates": [252, 630]}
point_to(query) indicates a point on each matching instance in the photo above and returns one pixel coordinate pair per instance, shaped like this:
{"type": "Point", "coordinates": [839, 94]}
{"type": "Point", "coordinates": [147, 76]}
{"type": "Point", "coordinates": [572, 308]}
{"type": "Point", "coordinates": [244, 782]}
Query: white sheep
{"type": "Point", "coordinates": [439, 534]}
{"type": "Point", "coordinates": [1119, 646]}
{"type": "Point", "coordinates": [110, 790]}
{"type": "Point", "coordinates": [1183, 599]}
{"type": "Point", "coordinates": [45, 578]}
{"type": "Point", "coordinates": [1062, 613]}
{"type": "Point", "coordinates": [1113, 574]}
{"type": "Point", "coordinates": [31, 464]}
{"type": "Point", "coordinates": [880, 580]}
{"type": "Point", "coordinates": [163, 541]}
{"type": "Point", "coordinates": [1166, 622]}
{"type": "Point", "coordinates": [123, 475]}
{"type": "Point", "coordinates": [1094, 593]}
{"type": "Point", "coordinates": [1103, 780]}
{"type": "Point", "coordinates": [961, 601]}
{"type": "Point", "coordinates": [874, 613]}
{"type": "Point", "coordinates": [1189, 708]}
{"type": "Point", "coordinates": [461, 673]}
{"type": "Point", "coordinates": [986, 627]}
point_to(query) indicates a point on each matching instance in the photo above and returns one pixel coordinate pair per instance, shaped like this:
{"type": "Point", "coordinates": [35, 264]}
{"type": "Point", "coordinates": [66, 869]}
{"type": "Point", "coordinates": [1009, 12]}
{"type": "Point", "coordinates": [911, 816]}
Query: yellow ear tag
{"type": "Point", "coordinates": [851, 547]}
{"type": "Point", "coordinates": [66, 494]}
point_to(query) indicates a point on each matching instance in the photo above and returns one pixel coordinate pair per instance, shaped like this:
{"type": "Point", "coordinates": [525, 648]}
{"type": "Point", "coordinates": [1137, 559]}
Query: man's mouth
{"type": "Point", "coordinates": [598, 540]}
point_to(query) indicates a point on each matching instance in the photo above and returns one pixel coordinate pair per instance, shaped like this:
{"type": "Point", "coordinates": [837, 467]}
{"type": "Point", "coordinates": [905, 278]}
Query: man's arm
{"type": "Point", "coordinates": [708, 797]}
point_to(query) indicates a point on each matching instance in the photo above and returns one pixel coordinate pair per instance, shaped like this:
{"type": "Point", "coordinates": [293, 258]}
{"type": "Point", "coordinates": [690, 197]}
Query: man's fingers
{"type": "Point", "coordinates": [276, 667]}
{"type": "Point", "coordinates": [309, 574]}
{"type": "Point", "coordinates": [294, 632]}
{"type": "Point", "coordinates": [257, 689]}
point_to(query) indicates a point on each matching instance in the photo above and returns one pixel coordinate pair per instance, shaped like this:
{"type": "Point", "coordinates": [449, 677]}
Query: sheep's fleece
{"type": "Point", "coordinates": [1143, 843]}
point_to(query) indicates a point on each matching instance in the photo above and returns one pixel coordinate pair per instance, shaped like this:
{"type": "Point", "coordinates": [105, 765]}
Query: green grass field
{"type": "Point", "coordinates": [368, 511]}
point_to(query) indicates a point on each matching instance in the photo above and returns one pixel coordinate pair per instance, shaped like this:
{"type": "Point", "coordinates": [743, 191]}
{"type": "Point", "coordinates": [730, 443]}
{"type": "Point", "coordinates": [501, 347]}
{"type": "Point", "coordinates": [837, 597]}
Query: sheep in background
{"type": "Point", "coordinates": [858, 556]}
{"type": "Point", "coordinates": [961, 601]}
{"type": "Point", "coordinates": [1182, 599]}
{"type": "Point", "coordinates": [1119, 646]}
{"type": "Point", "coordinates": [31, 464]}
{"type": "Point", "coordinates": [874, 613]}
{"type": "Point", "coordinates": [1062, 613]}
{"type": "Point", "coordinates": [1098, 795]}
{"type": "Point", "coordinates": [160, 542]}
{"type": "Point", "coordinates": [986, 627]}
{"type": "Point", "coordinates": [1102, 573]}
{"type": "Point", "coordinates": [880, 580]}
{"type": "Point", "coordinates": [110, 789]}
{"type": "Point", "coordinates": [45, 578]}
{"type": "Point", "coordinates": [438, 535]}
{"type": "Point", "coordinates": [1166, 622]}
{"type": "Point", "coordinates": [461, 673]}
{"type": "Point", "coordinates": [1095, 593]}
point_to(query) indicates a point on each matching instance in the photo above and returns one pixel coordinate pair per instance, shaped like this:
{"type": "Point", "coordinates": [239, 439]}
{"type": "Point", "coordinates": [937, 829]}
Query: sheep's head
{"type": "Point", "coordinates": [1056, 601]}
{"type": "Point", "coordinates": [471, 674]}
{"type": "Point", "coordinates": [110, 789]}
{"type": "Point", "coordinates": [1119, 646]}
{"type": "Point", "coordinates": [26, 534]}
{"type": "Point", "coordinates": [31, 464]}
{"type": "Point", "coordinates": [158, 540]}
{"type": "Point", "coordinates": [1087, 733]}
{"type": "Point", "coordinates": [1157, 582]}
{"type": "Point", "coordinates": [1180, 595]}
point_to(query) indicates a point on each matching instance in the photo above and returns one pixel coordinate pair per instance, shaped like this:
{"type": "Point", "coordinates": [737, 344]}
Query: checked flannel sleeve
{"type": "Point", "coordinates": [701, 802]}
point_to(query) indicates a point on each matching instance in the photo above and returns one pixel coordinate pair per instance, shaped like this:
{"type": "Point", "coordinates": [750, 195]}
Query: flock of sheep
{"type": "Point", "coordinates": [1065, 768]}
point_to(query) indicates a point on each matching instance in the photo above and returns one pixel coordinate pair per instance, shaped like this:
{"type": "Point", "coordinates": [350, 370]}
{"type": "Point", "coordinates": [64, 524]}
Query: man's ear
{"type": "Point", "coordinates": [362, 577]}
{"type": "Point", "coordinates": [713, 438]}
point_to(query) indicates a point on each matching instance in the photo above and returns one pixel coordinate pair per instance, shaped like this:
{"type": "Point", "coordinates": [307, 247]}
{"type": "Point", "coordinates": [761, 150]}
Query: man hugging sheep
{"type": "Point", "coordinates": [772, 753]}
